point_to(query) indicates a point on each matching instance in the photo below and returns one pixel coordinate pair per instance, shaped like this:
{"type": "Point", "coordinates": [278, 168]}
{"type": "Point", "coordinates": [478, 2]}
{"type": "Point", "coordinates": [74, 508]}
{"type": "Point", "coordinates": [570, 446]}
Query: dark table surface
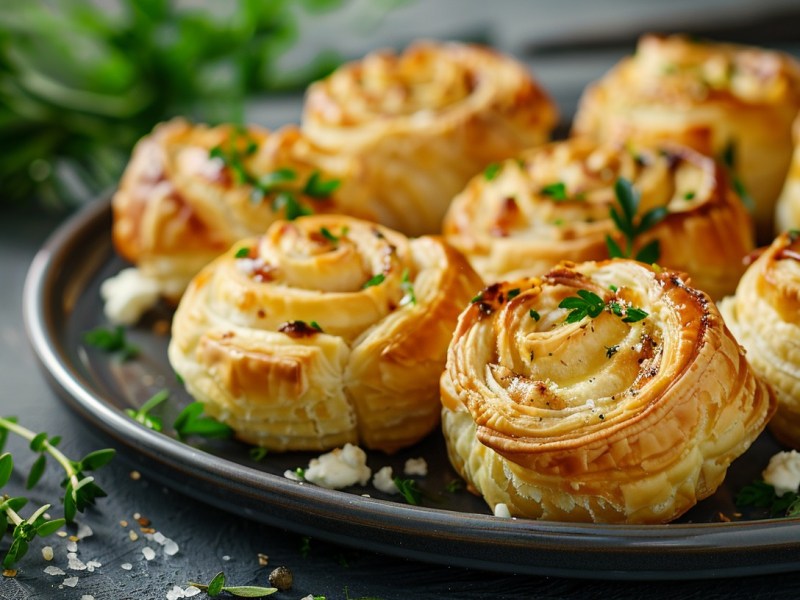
{"type": "Point", "coordinates": [211, 540]}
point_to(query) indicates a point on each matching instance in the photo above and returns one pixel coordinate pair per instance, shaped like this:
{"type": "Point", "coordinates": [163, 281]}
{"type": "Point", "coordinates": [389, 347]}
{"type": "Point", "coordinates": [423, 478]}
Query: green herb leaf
{"type": "Point", "coordinates": [409, 297]}
{"type": "Point", "coordinates": [626, 223]}
{"type": "Point", "coordinates": [557, 191]}
{"type": "Point", "coordinates": [627, 197]}
{"type": "Point", "coordinates": [242, 252]}
{"type": "Point", "coordinates": [513, 293]}
{"type": "Point", "coordinates": [249, 591]}
{"type": "Point", "coordinates": [37, 443]}
{"type": "Point", "coordinates": [409, 490]}
{"type": "Point", "coordinates": [216, 584]}
{"type": "Point", "coordinates": [49, 527]}
{"type": "Point", "coordinates": [273, 180]}
{"type": "Point", "coordinates": [491, 171]}
{"type": "Point", "coordinates": [586, 303]}
{"type": "Point", "coordinates": [37, 470]}
{"type": "Point", "coordinates": [18, 549]}
{"type": "Point", "coordinates": [374, 280]}
{"type": "Point", "coordinates": [634, 314]}
{"type": "Point", "coordinates": [326, 233]}
{"type": "Point", "coordinates": [689, 196]}
{"type": "Point", "coordinates": [534, 315]}
{"type": "Point", "coordinates": [316, 326]}
{"type": "Point", "coordinates": [98, 458]}
{"type": "Point", "coordinates": [111, 340]}
{"type": "Point", "coordinates": [650, 253]}
{"type": "Point", "coordinates": [614, 251]}
{"type": "Point", "coordinates": [191, 422]}
{"type": "Point", "coordinates": [258, 453]}
{"type": "Point", "coordinates": [6, 468]}
{"type": "Point", "coordinates": [317, 188]}
{"type": "Point", "coordinates": [454, 485]}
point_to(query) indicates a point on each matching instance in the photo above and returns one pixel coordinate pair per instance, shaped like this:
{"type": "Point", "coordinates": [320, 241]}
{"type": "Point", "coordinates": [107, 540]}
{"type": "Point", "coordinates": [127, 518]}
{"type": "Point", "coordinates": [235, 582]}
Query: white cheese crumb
{"type": "Point", "coordinates": [783, 472]}
{"type": "Point", "coordinates": [126, 566]}
{"type": "Point", "coordinates": [339, 468]}
{"type": "Point", "coordinates": [289, 474]}
{"type": "Point", "coordinates": [191, 591]}
{"type": "Point", "coordinates": [51, 570]}
{"type": "Point", "coordinates": [128, 295]}
{"type": "Point", "coordinates": [250, 266]}
{"type": "Point", "coordinates": [416, 466]}
{"type": "Point", "coordinates": [47, 553]}
{"type": "Point", "coordinates": [501, 510]}
{"type": "Point", "coordinates": [384, 482]}
{"type": "Point", "coordinates": [70, 582]}
{"type": "Point", "coordinates": [149, 553]}
{"type": "Point", "coordinates": [72, 546]}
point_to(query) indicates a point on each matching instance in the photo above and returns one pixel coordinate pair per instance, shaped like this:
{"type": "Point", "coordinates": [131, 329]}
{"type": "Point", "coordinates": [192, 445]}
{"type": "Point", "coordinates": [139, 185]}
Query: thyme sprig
{"type": "Point", "coordinates": [760, 494]}
{"type": "Point", "coordinates": [143, 415]}
{"type": "Point", "coordinates": [192, 421]}
{"type": "Point", "coordinates": [112, 341]}
{"type": "Point", "coordinates": [631, 226]}
{"type": "Point", "coordinates": [217, 585]}
{"type": "Point", "coordinates": [728, 159]}
{"type": "Point", "coordinates": [80, 490]}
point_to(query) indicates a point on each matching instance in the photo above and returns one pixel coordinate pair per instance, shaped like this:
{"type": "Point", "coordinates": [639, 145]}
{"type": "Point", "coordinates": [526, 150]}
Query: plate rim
{"type": "Point", "coordinates": [422, 533]}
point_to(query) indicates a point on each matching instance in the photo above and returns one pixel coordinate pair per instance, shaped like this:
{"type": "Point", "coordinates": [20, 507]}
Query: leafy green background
{"type": "Point", "coordinates": [79, 83]}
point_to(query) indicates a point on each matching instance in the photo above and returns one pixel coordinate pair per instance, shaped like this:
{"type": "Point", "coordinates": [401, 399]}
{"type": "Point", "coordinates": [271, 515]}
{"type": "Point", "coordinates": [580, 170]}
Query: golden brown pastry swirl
{"type": "Point", "coordinates": [787, 213]}
{"type": "Point", "coordinates": [764, 315]}
{"type": "Point", "coordinates": [324, 331]}
{"type": "Point", "coordinates": [553, 203]}
{"type": "Point", "coordinates": [178, 206]}
{"type": "Point", "coordinates": [425, 121]}
{"type": "Point", "coordinates": [710, 96]}
{"type": "Point", "coordinates": [617, 417]}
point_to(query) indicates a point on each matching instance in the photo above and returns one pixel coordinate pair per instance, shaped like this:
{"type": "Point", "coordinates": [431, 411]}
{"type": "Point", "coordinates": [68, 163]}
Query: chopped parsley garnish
{"type": "Point", "coordinates": [728, 157]}
{"type": "Point", "coordinates": [491, 171]}
{"type": "Point", "coordinates": [534, 315]}
{"type": "Point", "coordinates": [760, 494]}
{"type": "Point", "coordinates": [477, 298]}
{"type": "Point", "coordinates": [630, 227]}
{"type": "Point", "coordinates": [409, 490]}
{"type": "Point", "coordinates": [454, 485]}
{"type": "Point", "coordinates": [794, 234]}
{"type": "Point", "coordinates": [192, 421]}
{"type": "Point", "coordinates": [243, 252]}
{"type": "Point", "coordinates": [326, 233]}
{"type": "Point", "coordinates": [585, 303]}
{"type": "Point", "coordinates": [557, 191]}
{"type": "Point", "coordinates": [316, 326]}
{"type": "Point", "coordinates": [292, 208]}
{"type": "Point", "coordinates": [317, 188]}
{"type": "Point", "coordinates": [142, 415]}
{"type": "Point", "coordinates": [689, 196]}
{"type": "Point", "coordinates": [513, 293]}
{"type": "Point", "coordinates": [275, 179]}
{"type": "Point", "coordinates": [258, 453]}
{"type": "Point", "coordinates": [409, 297]}
{"type": "Point", "coordinates": [111, 340]}
{"type": "Point", "coordinates": [611, 350]}
{"type": "Point", "coordinates": [589, 304]}
{"type": "Point", "coordinates": [374, 280]}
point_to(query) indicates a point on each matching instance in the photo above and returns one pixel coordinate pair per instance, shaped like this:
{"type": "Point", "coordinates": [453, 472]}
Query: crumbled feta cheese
{"type": "Point", "coordinates": [416, 466]}
{"type": "Point", "coordinates": [783, 472]}
{"type": "Point", "coordinates": [384, 481]}
{"type": "Point", "coordinates": [339, 468]}
{"type": "Point", "coordinates": [128, 295]}
{"type": "Point", "coordinates": [501, 510]}
{"type": "Point", "coordinates": [289, 474]}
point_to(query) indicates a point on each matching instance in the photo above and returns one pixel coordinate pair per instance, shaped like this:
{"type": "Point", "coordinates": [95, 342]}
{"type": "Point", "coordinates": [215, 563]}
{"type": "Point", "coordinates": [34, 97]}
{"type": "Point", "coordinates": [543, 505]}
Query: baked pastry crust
{"type": "Point", "coordinates": [787, 213]}
{"type": "Point", "coordinates": [425, 121]}
{"type": "Point", "coordinates": [764, 315]}
{"type": "Point", "coordinates": [706, 95]}
{"type": "Point", "coordinates": [326, 330]}
{"type": "Point", "coordinates": [553, 203]}
{"type": "Point", "coordinates": [178, 207]}
{"type": "Point", "coordinates": [605, 419]}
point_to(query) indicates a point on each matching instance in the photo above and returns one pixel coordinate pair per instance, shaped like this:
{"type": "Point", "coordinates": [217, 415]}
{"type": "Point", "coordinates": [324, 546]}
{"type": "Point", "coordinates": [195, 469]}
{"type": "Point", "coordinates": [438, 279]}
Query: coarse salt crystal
{"type": "Point", "coordinates": [87, 597]}
{"type": "Point", "coordinates": [70, 582]}
{"type": "Point", "coordinates": [226, 558]}
{"type": "Point", "coordinates": [133, 535]}
{"type": "Point", "coordinates": [171, 548]}
{"type": "Point", "coordinates": [84, 531]}
{"type": "Point", "coordinates": [47, 553]}
{"type": "Point", "coordinates": [126, 566]}
{"type": "Point", "coordinates": [191, 591]}
{"type": "Point", "coordinates": [159, 538]}
{"type": "Point", "coordinates": [289, 474]}
{"type": "Point", "coordinates": [51, 570]}
{"type": "Point", "coordinates": [75, 563]}
{"type": "Point", "coordinates": [416, 466]}
{"type": "Point", "coordinates": [72, 547]}
{"type": "Point", "coordinates": [149, 553]}
{"type": "Point", "coordinates": [92, 565]}
{"type": "Point", "coordinates": [175, 593]}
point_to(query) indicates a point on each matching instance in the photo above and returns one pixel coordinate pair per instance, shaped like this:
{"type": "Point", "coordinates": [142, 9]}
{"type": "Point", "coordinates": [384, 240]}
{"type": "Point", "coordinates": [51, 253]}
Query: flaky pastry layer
{"type": "Point", "coordinates": [764, 315]}
{"type": "Point", "coordinates": [553, 203]}
{"type": "Point", "coordinates": [326, 330]}
{"type": "Point", "coordinates": [729, 101]}
{"type": "Point", "coordinates": [613, 416]}
{"type": "Point", "coordinates": [188, 194]}
{"type": "Point", "coordinates": [425, 121]}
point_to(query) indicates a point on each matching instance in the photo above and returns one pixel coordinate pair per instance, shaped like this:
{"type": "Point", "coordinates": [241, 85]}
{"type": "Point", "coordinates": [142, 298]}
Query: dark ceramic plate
{"type": "Point", "coordinates": [454, 528]}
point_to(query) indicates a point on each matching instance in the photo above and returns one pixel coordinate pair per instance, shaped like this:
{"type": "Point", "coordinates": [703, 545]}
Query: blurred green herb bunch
{"type": "Point", "coordinates": [81, 81]}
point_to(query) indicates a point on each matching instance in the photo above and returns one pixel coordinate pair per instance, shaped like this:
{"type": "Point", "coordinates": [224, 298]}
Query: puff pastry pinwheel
{"type": "Point", "coordinates": [425, 121]}
{"type": "Point", "coordinates": [734, 102]}
{"type": "Point", "coordinates": [601, 392]}
{"type": "Point", "coordinates": [554, 203]}
{"type": "Point", "coordinates": [764, 315]}
{"type": "Point", "coordinates": [787, 213]}
{"type": "Point", "coordinates": [190, 191]}
{"type": "Point", "coordinates": [325, 330]}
